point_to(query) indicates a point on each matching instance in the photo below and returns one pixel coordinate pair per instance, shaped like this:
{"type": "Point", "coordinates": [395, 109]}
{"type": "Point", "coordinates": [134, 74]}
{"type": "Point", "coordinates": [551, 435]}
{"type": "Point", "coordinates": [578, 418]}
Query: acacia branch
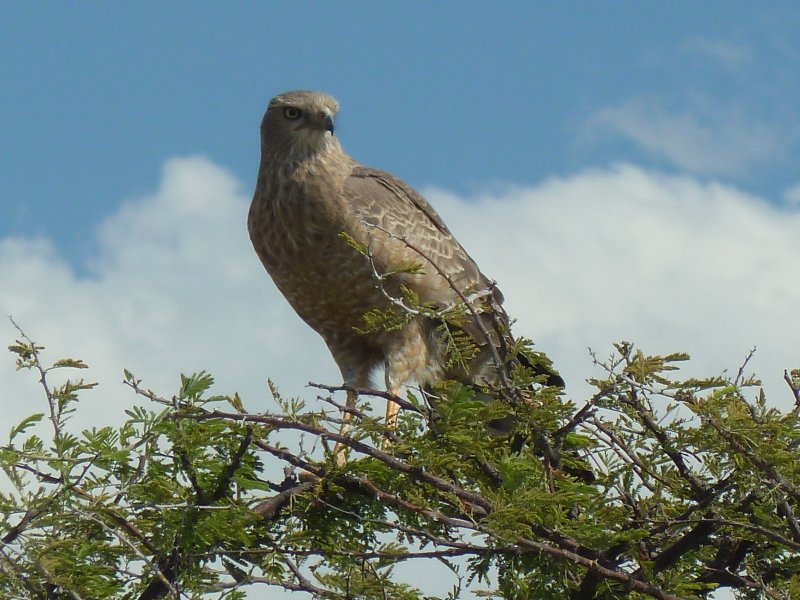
{"type": "Point", "coordinates": [594, 566]}
{"type": "Point", "coordinates": [476, 500]}
{"type": "Point", "coordinates": [224, 481]}
{"type": "Point", "coordinates": [399, 400]}
{"type": "Point", "coordinates": [738, 445]}
{"type": "Point", "coordinates": [698, 487]}
{"type": "Point", "coordinates": [55, 417]}
{"type": "Point", "coordinates": [792, 382]}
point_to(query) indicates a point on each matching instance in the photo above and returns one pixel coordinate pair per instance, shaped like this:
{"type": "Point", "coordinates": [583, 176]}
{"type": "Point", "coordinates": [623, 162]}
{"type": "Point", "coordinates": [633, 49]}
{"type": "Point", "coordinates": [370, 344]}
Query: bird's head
{"type": "Point", "coordinates": [299, 124]}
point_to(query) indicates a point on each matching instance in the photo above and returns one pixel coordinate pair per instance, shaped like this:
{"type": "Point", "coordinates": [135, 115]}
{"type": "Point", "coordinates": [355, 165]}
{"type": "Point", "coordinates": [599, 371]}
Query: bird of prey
{"type": "Point", "coordinates": [309, 193]}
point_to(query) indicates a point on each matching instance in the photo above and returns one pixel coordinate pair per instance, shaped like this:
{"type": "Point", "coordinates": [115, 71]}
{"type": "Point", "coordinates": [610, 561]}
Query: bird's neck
{"type": "Point", "coordinates": [327, 158]}
{"type": "Point", "coordinates": [327, 167]}
{"type": "Point", "coordinates": [312, 147]}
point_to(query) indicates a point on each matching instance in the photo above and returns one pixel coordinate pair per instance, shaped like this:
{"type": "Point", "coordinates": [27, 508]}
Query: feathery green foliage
{"type": "Point", "coordinates": [696, 486]}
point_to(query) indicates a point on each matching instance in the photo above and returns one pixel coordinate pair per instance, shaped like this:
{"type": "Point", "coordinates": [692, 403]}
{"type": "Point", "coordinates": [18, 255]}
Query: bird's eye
{"type": "Point", "coordinates": [291, 113]}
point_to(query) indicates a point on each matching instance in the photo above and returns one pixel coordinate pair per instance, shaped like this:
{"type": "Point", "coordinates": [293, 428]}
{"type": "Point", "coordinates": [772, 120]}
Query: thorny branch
{"type": "Point", "coordinates": [702, 530]}
{"type": "Point", "coordinates": [793, 381]}
{"type": "Point", "coordinates": [399, 400]}
{"type": "Point", "coordinates": [477, 507]}
{"type": "Point", "coordinates": [55, 417]}
{"type": "Point", "coordinates": [457, 515]}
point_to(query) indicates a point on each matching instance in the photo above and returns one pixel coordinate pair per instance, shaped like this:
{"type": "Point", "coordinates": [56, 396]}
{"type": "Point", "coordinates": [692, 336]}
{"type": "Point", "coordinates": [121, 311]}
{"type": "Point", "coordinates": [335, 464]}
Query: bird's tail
{"type": "Point", "coordinates": [541, 367]}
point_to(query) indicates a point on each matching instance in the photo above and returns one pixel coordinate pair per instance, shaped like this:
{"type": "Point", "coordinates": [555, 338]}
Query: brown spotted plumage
{"type": "Point", "coordinates": [309, 192]}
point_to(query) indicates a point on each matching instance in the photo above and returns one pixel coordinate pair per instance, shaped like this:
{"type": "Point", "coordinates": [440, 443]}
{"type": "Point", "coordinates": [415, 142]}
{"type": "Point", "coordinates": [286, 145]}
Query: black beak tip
{"type": "Point", "coordinates": [329, 125]}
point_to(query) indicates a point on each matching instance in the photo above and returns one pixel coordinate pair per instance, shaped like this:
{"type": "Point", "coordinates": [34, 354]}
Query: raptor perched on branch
{"type": "Point", "coordinates": [341, 240]}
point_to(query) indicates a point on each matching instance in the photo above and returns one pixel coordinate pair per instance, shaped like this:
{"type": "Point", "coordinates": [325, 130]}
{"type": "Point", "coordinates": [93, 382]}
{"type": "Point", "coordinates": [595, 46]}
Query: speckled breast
{"type": "Point", "coordinates": [327, 282]}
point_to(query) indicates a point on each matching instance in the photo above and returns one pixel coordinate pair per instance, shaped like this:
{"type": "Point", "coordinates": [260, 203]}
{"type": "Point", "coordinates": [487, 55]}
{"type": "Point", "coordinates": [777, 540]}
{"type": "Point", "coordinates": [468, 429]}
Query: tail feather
{"type": "Point", "coordinates": [542, 367]}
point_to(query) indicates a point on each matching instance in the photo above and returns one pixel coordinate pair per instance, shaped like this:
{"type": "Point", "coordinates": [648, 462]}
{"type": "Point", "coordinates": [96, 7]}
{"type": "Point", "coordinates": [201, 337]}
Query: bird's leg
{"type": "Point", "coordinates": [340, 450]}
{"type": "Point", "coordinates": [392, 409]}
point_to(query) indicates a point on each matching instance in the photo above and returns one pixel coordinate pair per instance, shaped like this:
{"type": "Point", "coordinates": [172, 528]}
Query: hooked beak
{"type": "Point", "coordinates": [318, 121]}
{"type": "Point", "coordinates": [327, 122]}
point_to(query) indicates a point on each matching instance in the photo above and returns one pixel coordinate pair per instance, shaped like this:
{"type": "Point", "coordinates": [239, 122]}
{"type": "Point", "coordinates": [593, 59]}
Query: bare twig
{"type": "Point", "coordinates": [793, 381]}
{"type": "Point", "coordinates": [740, 373]}
{"type": "Point", "coordinates": [55, 417]}
{"type": "Point", "coordinates": [402, 402]}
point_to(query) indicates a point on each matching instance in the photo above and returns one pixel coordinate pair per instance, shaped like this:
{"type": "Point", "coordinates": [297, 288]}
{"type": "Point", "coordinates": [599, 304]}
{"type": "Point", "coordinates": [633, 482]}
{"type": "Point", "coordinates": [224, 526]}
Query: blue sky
{"type": "Point", "coordinates": [455, 94]}
{"type": "Point", "coordinates": [624, 170]}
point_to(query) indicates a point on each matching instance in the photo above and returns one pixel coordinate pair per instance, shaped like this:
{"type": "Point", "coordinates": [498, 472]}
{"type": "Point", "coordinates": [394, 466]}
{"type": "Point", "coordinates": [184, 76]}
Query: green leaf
{"type": "Point", "coordinates": [194, 386]}
{"type": "Point", "coordinates": [71, 363]}
{"type": "Point", "coordinates": [25, 424]}
{"type": "Point", "coordinates": [236, 402]}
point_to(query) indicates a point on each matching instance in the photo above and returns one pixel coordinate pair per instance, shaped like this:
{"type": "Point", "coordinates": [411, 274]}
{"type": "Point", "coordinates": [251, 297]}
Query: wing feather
{"type": "Point", "coordinates": [384, 202]}
{"type": "Point", "coordinates": [402, 194]}
{"type": "Point", "coordinates": [400, 225]}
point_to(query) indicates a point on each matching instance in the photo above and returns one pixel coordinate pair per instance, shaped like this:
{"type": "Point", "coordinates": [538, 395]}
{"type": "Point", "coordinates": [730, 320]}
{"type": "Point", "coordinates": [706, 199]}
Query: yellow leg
{"type": "Point", "coordinates": [392, 409]}
{"type": "Point", "coordinates": [340, 450]}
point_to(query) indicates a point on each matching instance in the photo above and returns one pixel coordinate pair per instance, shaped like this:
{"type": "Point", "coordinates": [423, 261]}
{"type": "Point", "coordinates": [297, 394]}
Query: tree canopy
{"type": "Point", "coordinates": [653, 487]}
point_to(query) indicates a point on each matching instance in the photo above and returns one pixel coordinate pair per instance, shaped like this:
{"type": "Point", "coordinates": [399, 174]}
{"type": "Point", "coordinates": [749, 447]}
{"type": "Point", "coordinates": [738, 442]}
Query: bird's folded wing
{"type": "Point", "coordinates": [392, 208]}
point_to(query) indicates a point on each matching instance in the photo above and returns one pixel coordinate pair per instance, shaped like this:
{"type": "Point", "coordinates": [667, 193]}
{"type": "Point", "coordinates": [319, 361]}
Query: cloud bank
{"type": "Point", "coordinates": [667, 262]}
{"type": "Point", "coordinates": [698, 134]}
{"type": "Point", "coordinates": [730, 55]}
{"type": "Point", "coordinates": [670, 263]}
{"type": "Point", "coordinates": [174, 288]}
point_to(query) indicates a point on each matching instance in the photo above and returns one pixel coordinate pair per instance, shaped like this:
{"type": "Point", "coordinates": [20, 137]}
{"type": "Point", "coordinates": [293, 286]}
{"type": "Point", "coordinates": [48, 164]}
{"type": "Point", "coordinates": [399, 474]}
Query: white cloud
{"type": "Point", "coordinates": [703, 136]}
{"type": "Point", "coordinates": [791, 196]}
{"type": "Point", "coordinates": [667, 262]}
{"type": "Point", "coordinates": [664, 261]}
{"type": "Point", "coordinates": [175, 288]}
{"type": "Point", "coordinates": [733, 56]}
